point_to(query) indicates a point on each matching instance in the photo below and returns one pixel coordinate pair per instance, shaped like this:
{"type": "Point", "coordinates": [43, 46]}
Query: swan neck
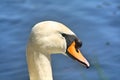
{"type": "Point", "coordinates": [39, 66]}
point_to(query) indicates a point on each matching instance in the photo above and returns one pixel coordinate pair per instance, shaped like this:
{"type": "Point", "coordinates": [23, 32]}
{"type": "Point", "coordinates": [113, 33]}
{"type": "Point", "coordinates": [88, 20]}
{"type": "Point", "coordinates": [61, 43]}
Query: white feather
{"type": "Point", "coordinates": [45, 39]}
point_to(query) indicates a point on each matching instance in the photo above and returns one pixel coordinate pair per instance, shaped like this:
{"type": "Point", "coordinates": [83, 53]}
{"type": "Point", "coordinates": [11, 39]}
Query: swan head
{"type": "Point", "coordinates": [53, 37]}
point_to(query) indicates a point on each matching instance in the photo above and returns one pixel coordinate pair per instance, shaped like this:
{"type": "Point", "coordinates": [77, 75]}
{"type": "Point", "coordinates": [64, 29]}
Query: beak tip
{"type": "Point", "coordinates": [87, 64]}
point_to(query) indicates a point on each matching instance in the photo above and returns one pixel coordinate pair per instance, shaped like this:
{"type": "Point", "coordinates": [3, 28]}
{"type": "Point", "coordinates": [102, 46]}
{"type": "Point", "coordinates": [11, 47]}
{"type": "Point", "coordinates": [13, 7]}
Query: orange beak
{"type": "Point", "coordinates": [77, 54]}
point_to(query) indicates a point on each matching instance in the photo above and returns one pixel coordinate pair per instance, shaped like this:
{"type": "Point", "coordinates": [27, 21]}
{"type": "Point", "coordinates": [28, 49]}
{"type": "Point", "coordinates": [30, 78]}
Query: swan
{"type": "Point", "coordinates": [46, 38]}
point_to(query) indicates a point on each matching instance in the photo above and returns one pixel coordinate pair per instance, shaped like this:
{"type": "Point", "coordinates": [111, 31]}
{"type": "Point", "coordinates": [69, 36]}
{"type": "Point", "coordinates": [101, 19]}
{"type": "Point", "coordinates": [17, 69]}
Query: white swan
{"type": "Point", "coordinates": [46, 38]}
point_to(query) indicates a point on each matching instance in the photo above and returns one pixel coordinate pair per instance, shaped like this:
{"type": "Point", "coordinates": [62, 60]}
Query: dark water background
{"type": "Point", "coordinates": [96, 23]}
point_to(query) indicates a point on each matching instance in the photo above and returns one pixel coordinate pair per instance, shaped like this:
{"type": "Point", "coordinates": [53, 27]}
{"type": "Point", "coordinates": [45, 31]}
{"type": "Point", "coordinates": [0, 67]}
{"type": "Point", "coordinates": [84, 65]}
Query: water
{"type": "Point", "coordinates": [95, 22]}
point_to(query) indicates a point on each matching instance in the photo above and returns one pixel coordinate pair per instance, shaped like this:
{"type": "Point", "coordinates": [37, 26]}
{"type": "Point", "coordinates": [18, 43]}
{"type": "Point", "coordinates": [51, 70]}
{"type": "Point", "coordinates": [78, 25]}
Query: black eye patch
{"type": "Point", "coordinates": [70, 38]}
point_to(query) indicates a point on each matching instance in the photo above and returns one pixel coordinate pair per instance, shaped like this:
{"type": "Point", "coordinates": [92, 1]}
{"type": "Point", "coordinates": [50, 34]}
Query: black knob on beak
{"type": "Point", "coordinates": [78, 43]}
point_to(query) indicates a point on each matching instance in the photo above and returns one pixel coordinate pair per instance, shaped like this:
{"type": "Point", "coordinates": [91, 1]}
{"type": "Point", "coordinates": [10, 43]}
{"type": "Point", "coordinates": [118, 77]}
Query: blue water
{"type": "Point", "coordinates": [96, 23]}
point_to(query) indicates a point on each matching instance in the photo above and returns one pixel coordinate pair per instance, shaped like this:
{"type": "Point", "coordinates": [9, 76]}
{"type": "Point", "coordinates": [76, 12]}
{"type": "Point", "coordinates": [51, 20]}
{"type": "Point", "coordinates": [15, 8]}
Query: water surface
{"type": "Point", "coordinates": [95, 22]}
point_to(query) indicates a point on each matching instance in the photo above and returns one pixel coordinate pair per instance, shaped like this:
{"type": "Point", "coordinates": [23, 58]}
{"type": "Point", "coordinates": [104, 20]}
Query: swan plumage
{"type": "Point", "coordinates": [46, 38]}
